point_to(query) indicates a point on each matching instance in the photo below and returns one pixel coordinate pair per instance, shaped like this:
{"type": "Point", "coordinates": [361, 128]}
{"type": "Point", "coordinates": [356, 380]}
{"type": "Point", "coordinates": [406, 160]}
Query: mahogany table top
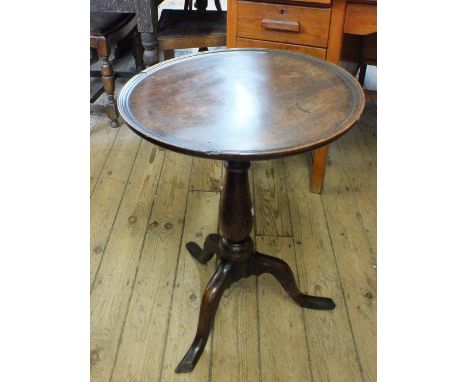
{"type": "Point", "coordinates": [242, 104]}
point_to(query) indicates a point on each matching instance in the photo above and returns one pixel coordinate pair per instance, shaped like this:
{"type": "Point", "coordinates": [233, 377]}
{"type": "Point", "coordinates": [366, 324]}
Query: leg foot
{"type": "Point", "coordinates": [114, 123]}
{"type": "Point", "coordinates": [220, 281]}
{"type": "Point", "coordinates": [210, 247]}
{"type": "Point", "coordinates": [282, 272]}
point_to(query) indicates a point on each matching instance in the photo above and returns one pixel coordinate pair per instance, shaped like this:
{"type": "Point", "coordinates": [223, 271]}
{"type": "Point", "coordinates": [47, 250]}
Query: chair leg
{"type": "Point", "coordinates": [137, 51]}
{"type": "Point", "coordinates": [108, 80]}
{"type": "Point", "coordinates": [218, 5]}
{"type": "Point", "coordinates": [362, 74]}
{"type": "Point", "coordinates": [317, 174]}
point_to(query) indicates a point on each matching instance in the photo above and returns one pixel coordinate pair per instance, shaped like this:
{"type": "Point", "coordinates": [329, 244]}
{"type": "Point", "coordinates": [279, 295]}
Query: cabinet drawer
{"type": "Point", "coordinates": [249, 43]}
{"type": "Point", "coordinates": [283, 23]}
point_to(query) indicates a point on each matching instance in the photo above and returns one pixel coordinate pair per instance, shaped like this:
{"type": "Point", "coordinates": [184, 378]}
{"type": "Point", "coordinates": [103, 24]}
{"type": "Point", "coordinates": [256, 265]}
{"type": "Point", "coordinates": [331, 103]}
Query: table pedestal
{"type": "Point", "coordinates": [237, 259]}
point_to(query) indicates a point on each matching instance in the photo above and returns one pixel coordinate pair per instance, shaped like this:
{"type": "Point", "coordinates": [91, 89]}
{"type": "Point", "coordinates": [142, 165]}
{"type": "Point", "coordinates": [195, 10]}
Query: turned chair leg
{"type": "Point", "coordinates": [319, 163]}
{"type": "Point", "coordinates": [137, 51]}
{"type": "Point", "coordinates": [220, 281]}
{"type": "Point", "coordinates": [108, 80]}
{"type": "Point", "coordinates": [282, 272]}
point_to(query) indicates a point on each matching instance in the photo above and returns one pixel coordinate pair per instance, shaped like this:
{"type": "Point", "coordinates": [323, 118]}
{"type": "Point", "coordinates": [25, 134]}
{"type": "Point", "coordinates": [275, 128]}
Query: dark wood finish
{"type": "Point", "coordinates": [101, 38]}
{"type": "Point", "coordinates": [231, 115]}
{"type": "Point", "coordinates": [146, 12]}
{"type": "Point", "coordinates": [238, 105]}
{"type": "Point", "coordinates": [184, 29]}
{"type": "Point", "coordinates": [237, 259]}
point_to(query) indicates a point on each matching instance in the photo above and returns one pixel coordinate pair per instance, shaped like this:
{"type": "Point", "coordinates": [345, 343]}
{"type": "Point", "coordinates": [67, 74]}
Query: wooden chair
{"type": "Point", "coordinates": [107, 29]}
{"type": "Point", "coordinates": [188, 28]}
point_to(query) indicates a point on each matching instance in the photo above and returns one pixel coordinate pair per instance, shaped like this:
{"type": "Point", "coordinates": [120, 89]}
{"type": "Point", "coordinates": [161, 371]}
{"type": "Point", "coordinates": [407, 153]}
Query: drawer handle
{"type": "Point", "coordinates": [281, 25]}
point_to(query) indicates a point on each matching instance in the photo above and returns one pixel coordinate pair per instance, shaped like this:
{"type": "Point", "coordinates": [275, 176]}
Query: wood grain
{"type": "Point", "coordinates": [106, 199]}
{"type": "Point", "coordinates": [141, 352]}
{"type": "Point", "coordinates": [360, 19]}
{"type": "Point", "coordinates": [271, 199]}
{"type": "Point", "coordinates": [235, 334]}
{"type": "Point", "coordinates": [231, 24]}
{"type": "Point", "coordinates": [206, 175]}
{"type": "Point", "coordinates": [112, 289]}
{"type": "Point", "coordinates": [331, 348]}
{"type": "Point", "coordinates": [313, 23]}
{"type": "Point", "coordinates": [355, 260]}
{"type": "Point", "coordinates": [192, 277]}
{"type": "Point", "coordinates": [251, 43]}
{"type": "Point", "coordinates": [103, 138]}
{"type": "Point", "coordinates": [368, 127]}
{"type": "Point", "coordinates": [282, 319]}
{"type": "Point", "coordinates": [93, 120]}
{"type": "Point", "coordinates": [231, 119]}
{"type": "Point", "coordinates": [335, 38]}
{"type": "Point", "coordinates": [362, 174]}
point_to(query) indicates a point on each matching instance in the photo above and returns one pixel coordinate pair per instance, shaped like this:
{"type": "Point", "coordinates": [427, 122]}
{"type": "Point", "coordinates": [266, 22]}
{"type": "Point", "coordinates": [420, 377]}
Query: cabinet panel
{"type": "Point", "coordinates": [249, 43]}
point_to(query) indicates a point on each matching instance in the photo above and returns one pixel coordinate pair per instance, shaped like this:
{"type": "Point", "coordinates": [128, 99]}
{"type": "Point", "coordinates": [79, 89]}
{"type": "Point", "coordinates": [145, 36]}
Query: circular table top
{"type": "Point", "coordinates": [242, 104]}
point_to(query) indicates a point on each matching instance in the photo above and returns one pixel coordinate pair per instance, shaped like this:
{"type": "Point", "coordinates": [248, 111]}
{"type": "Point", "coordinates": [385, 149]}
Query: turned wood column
{"type": "Point", "coordinates": [149, 43]}
{"type": "Point", "coordinates": [235, 218]}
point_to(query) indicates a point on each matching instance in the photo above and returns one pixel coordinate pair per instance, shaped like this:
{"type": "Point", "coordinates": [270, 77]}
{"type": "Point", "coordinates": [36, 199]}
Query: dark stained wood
{"type": "Point", "coordinates": [146, 12]}
{"type": "Point", "coordinates": [237, 259]}
{"type": "Point", "coordinates": [237, 105]}
{"type": "Point", "coordinates": [242, 104]}
{"type": "Point", "coordinates": [185, 29]}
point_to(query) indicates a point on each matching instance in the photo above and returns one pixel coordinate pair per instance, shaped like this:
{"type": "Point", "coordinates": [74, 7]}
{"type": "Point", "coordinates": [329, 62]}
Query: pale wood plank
{"type": "Point", "coordinates": [355, 260]}
{"type": "Point", "coordinates": [332, 351]}
{"type": "Point", "coordinates": [283, 346]}
{"type": "Point", "coordinates": [101, 141]}
{"type": "Point", "coordinates": [192, 278]}
{"type": "Point", "coordinates": [108, 193]}
{"type": "Point", "coordinates": [235, 334]}
{"type": "Point", "coordinates": [363, 179]}
{"type": "Point", "coordinates": [141, 351]}
{"type": "Point", "coordinates": [271, 199]}
{"type": "Point", "coordinates": [368, 128]}
{"type": "Point", "coordinates": [206, 175]}
{"type": "Point", "coordinates": [93, 120]}
{"type": "Point", "coordinates": [114, 281]}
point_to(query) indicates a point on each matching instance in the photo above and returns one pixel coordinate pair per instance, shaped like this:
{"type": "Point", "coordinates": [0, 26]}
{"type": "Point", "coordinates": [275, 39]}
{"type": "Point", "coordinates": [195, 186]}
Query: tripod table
{"type": "Point", "coordinates": [240, 105]}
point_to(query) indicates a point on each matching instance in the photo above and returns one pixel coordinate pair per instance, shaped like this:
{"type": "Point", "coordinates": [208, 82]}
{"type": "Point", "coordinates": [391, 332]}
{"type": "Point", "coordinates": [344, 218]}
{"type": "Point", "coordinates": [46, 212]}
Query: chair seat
{"type": "Point", "coordinates": [177, 23]}
{"type": "Point", "coordinates": [105, 22]}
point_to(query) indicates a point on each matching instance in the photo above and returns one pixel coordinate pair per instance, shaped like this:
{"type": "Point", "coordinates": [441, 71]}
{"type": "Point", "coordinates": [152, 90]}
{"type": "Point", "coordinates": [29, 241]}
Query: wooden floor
{"type": "Point", "coordinates": [146, 203]}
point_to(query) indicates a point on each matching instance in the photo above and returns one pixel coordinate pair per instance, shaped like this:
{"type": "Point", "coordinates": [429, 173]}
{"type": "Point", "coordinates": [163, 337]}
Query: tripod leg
{"type": "Point", "coordinates": [220, 281]}
{"type": "Point", "coordinates": [282, 272]}
{"type": "Point", "coordinates": [210, 247]}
